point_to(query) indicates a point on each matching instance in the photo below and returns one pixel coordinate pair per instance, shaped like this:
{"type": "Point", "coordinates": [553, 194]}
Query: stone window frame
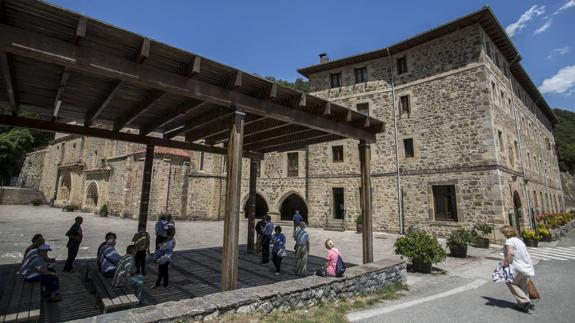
{"type": "Point", "coordinates": [458, 202]}
{"type": "Point", "coordinates": [333, 155]}
{"type": "Point", "coordinates": [363, 104]}
{"type": "Point", "coordinates": [401, 64]}
{"type": "Point", "coordinates": [500, 140]}
{"type": "Point", "coordinates": [402, 109]}
{"type": "Point", "coordinates": [202, 162]}
{"type": "Point", "coordinates": [292, 172]}
{"type": "Point", "coordinates": [335, 76]}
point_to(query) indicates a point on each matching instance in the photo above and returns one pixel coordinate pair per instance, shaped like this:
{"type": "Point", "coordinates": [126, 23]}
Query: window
{"type": "Point", "coordinates": [402, 65]}
{"type": "Point", "coordinates": [516, 150]}
{"type": "Point", "coordinates": [293, 164]}
{"type": "Point", "coordinates": [360, 75]}
{"type": "Point", "coordinates": [201, 162]}
{"type": "Point", "coordinates": [337, 152]}
{"type": "Point", "coordinates": [444, 202]}
{"type": "Point", "coordinates": [488, 48]}
{"type": "Point", "coordinates": [500, 138]}
{"type": "Point", "coordinates": [335, 80]}
{"type": "Point", "coordinates": [408, 148]}
{"type": "Point", "coordinates": [404, 104]}
{"type": "Point", "coordinates": [363, 108]}
{"type": "Point", "coordinates": [493, 90]}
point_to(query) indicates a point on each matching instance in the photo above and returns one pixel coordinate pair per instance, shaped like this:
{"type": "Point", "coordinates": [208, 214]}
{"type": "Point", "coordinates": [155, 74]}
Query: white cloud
{"type": "Point", "coordinates": [565, 6]}
{"type": "Point", "coordinates": [545, 26]}
{"type": "Point", "coordinates": [559, 51]}
{"type": "Point", "coordinates": [561, 82]}
{"type": "Point", "coordinates": [521, 23]}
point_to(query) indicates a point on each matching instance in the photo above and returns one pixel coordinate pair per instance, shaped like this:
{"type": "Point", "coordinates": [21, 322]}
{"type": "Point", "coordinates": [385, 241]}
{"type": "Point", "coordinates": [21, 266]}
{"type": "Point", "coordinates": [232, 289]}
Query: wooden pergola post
{"type": "Point", "coordinates": [146, 184]}
{"type": "Point", "coordinates": [232, 215]}
{"type": "Point", "coordinates": [367, 235]}
{"type": "Point", "coordinates": [252, 204]}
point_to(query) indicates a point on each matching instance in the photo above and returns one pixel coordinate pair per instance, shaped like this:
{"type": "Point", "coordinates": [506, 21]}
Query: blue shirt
{"type": "Point", "coordinates": [301, 237]}
{"type": "Point", "coordinates": [279, 242]}
{"type": "Point", "coordinates": [110, 259]}
{"type": "Point", "coordinates": [297, 218]}
{"type": "Point", "coordinates": [268, 229]}
{"type": "Point", "coordinates": [162, 228]}
{"type": "Point", "coordinates": [32, 265]}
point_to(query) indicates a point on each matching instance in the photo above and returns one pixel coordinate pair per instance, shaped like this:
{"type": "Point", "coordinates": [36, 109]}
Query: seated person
{"type": "Point", "coordinates": [35, 269]}
{"type": "Point", "coordinates": [37, 241]}
{"type": "Point", "coordinates": [125, 276]}
{"type": "Point", "coordinates": [108, 256]}
{"type": "Point", "coordinates": [330, 260]}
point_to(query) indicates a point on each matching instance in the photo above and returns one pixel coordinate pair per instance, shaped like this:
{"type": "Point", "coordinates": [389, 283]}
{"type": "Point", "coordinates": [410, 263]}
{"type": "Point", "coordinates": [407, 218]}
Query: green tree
{"type": "Point", "coordinates": [14, 144]}
{"type": "Point", "coordinates": [565, 140]}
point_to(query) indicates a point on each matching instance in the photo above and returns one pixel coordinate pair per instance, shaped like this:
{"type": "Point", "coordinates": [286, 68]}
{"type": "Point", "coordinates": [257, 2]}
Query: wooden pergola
{"type": "Point", "coordinates": [89, 78]}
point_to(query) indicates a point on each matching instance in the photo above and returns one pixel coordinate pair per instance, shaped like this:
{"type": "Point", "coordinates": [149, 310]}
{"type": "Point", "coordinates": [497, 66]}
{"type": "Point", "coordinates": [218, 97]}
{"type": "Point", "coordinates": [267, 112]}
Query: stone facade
{"type": "Point", "coordinates": [471, 147]}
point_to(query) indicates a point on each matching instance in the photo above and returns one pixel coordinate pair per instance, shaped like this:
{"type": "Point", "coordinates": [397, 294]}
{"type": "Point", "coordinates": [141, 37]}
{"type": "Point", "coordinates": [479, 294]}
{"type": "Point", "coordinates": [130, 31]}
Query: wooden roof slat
{"type": "Point", "coordinates": [8, 75]}
{"type": "Point", "coordinates": [180, 111]}
{"type": "Point", "coordinates": [200, 121]}
{"type": "Point", "coordinates": [94, 113]}
{"type": "Point", "coordinates": [299, 144]}
{"type": "Point", "coordinates": [132, 115]}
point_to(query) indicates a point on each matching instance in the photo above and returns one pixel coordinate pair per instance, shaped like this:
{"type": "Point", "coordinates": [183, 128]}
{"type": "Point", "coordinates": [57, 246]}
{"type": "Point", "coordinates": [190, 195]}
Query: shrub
{"type": "Point", "coordinates": [543, 232]}
{"type": "Point", "coordinates": [37, 202]}
{"type": "Point", "coordinates": [359, 220]}
{"type": "Point", "coordinates": [421, 246]}
{"type": "Point", "coordinates": [530, 234]}
{"type": "Point", "coordinates": [484, 228]}
{"type": "Point", "coordinates": [104, 210]}
{"type": "Point", "coordinates": [70, 208]}
{"type": "Point", "coordinates": [460, 238]}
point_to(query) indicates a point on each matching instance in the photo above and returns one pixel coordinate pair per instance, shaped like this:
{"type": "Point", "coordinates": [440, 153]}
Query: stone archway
{"type": "Point", "coordinates": [92, 195]}
{"type": "Point", "coordinates": [517, 211]}
{"type": "Point", "coordinates": [261, 207]}
{"type": "Point", "coordinates": [65, 187]}
{"type": "Point", "coordinates": [291, 203]}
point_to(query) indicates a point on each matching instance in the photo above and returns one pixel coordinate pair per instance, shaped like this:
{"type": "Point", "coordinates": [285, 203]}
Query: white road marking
{"type": "Point", "coordinates": [356, 316]}
{"type": "Point", "coordinates": [557, 253]}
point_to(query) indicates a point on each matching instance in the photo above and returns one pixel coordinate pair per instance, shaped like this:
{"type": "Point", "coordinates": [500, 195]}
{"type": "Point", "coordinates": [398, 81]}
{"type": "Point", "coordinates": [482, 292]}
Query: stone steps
{"type": "Point", "coordinates": [334, 225]}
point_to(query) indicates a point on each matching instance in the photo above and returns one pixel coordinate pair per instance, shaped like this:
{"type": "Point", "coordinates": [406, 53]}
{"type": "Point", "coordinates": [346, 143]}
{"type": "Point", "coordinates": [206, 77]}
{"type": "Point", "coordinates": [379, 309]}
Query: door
{"type": "Point", "coordinates": [338, 203]}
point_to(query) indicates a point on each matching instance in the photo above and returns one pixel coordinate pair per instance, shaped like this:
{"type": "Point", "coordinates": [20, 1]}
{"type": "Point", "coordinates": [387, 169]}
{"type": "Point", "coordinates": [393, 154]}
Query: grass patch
{"type": "Point", "coordinates": [323, 313]}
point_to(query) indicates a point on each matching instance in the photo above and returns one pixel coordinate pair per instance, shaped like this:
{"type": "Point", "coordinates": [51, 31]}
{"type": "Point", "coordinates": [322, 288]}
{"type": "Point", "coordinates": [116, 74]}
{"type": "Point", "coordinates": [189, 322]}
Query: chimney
{"type": "Point", "coordinates": [323, 58]}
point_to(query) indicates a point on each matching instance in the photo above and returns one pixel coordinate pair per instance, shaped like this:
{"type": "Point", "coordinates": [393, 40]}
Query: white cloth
{"type": "Point", "coordinates": [521, 259]}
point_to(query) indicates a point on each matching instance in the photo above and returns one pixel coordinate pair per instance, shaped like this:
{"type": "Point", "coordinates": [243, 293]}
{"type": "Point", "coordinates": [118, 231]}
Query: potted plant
{"type": "Point", "coordinates": [359, 224]}
{"type": "Point", "coordinates": [37, 202]}
{"type": "Point", "coordinates": [70, 208]}
{"type": "Point", "coordinates": [481, 231]}
{"type": "Point", "coordinates": [458, 241]}
{"type": "Point", "coordinates": [544, 232]}
{"type": "Point", "coordinates": [422, 249]}
{"type": "Point", "coordinates": [530, 237]}
{"type": "Point", "coordinates": [104, 210]}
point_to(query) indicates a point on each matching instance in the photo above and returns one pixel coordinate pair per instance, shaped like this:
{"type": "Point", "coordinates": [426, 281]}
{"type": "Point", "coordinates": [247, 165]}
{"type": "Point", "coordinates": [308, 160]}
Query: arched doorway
{"type": "Point", "coordinates": [65, 187]}
{"type": "Point", "coordinates": [291, 204]}
{"type": "Point", "coordinates": [261, 207]}
{"type": "Point", "coordinates": [517, 211]}
{"type": "Point", "coordinates": [92, 195]}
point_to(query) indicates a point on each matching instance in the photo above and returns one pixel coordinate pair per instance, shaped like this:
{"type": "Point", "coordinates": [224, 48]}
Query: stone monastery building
{"type": "Point", "coordinates": [468, 139]}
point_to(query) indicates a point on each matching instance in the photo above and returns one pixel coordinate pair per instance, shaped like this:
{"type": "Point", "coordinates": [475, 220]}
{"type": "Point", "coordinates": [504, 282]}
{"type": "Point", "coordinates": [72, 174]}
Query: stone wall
{"type": "Point", "coordinates": [31, 172]}
{"type": "Point", "coordinates": [281, 296]}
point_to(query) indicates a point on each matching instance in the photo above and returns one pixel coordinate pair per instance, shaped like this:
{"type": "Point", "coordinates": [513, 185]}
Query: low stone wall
{"type": "Point", "coordinates": [19, 196]}
{"type": "Point", "coordinates": [281, 296]}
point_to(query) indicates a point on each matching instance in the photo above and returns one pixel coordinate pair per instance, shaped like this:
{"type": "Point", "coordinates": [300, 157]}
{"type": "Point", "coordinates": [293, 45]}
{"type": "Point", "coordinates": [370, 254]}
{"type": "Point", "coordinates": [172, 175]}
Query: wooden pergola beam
{"type": "Point", "coordinates": [8, 75]}
{"type": "Point", "coordinates": [138, 111]}
{"type": "Point", "coordinates": [299, 144]}
{"type": "Point", "coordinates": [108, 134]}
{"type": "Point", "coordinates": [222, 135]}
{"type": "Point", "coordinates": [197, 122]}
{"type": "Point", "coordinates": [95, 112]}
{"type": "Point", "coordinates": [194, 67]}
{"type": "Point", "coordinates": [274, 133]}
{"type": "Point", "coordinates": [144, 52]}
{"type": "Point", "coordinates": [58, 99]}
{"type": "Point", "coordinates": [181, 110]}
{"type": "Point", "coordinates": [80, 29]}
{"type": "Point", "coordinates": [201, 131]}
{"type": "Point", "coordinates": [285, 138]}
{"type": "Point", "coordinates": [50, 50]}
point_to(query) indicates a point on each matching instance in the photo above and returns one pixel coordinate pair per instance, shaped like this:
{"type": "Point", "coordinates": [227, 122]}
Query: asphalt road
{"type": "Point", "coordinates": [471, 296]}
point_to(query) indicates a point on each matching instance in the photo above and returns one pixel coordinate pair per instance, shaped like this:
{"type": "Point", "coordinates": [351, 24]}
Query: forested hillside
{"type": "Point", "coordinates": [565, 140]}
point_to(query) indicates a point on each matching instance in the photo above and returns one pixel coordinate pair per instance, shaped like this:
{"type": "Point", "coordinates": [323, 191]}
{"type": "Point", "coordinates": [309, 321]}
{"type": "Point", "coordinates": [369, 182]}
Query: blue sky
{"type": "Point", "coordinates": [276, 37]}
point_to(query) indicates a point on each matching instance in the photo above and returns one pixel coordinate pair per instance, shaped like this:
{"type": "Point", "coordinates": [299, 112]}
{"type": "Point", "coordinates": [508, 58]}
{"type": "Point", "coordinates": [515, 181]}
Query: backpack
{"type": "Point", "coordinates": [339, 267]}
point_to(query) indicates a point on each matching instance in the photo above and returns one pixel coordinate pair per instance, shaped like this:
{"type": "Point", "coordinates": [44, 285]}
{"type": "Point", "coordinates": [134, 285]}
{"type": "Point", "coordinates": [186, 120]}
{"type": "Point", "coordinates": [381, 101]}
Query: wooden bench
{"type": "Point", "coordinates": [109, 298]}
{"type": "Point", "coordinates": [21, 300]}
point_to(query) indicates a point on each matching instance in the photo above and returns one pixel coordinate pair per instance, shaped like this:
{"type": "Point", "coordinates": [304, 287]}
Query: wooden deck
{"type": "Point", "coordinates": [193, 273]}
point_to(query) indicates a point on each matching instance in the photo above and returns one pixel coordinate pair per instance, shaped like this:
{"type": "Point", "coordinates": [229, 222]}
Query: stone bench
{"type": "Point", "coordinates": [281, 296]}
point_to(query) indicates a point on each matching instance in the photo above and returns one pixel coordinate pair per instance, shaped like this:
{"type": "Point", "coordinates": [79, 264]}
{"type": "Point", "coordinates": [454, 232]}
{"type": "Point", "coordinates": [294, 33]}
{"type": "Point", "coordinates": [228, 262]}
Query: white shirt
{"type": "Point", "coordinates": [521, 259]}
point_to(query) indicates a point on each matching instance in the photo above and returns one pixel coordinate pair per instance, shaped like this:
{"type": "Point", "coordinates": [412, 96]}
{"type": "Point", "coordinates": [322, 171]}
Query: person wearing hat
{"type": "Point", "coordinates": [36, 269]}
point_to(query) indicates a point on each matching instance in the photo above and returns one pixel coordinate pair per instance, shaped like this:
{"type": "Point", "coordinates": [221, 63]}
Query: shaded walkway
{"type": "Point", "coordinates": [193, 273]}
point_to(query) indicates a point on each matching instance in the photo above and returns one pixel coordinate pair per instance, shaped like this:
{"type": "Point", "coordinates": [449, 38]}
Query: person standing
{"type": "Point", "coordinates": [302, 249]}
{"type": "Point", "coordinates": [516, 256]}
{"type": "Point", "coordinates": [259, 231]}
{"type": "Point", "coordinates": [266, 239]}
{"type": "Point", "coordinates": [297, 219]}
{"type": "Point", "coordinates": [160, 229]}
{"type": "Point", "coordinates": [163, 257]}
{"type": "Point", "coordinates": [278, 249]}
{"type": "Point", "coordinates": [74, 239]}
{"type": "Point", "coordinates": [125, 277]}
{"type": "Point", "coordinates": [141, 241]}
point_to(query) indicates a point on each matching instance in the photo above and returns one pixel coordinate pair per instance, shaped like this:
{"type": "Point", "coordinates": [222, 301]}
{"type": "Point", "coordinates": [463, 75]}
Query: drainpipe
{"type": "Point", "coordinates": [307, 176]}
{"type": "Point", "coordinates": [520, 145]}
{"type": "Point", "coordinates": [398, 179]}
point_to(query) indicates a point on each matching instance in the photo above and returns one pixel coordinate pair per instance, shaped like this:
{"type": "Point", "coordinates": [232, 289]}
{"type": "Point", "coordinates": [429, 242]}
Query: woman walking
{"type": "Point", "coordinates": [163, 257]}
{"type": "Point", "coordinates": [518, 258]}
{"type": "Point", "coordinates": [278, 249]}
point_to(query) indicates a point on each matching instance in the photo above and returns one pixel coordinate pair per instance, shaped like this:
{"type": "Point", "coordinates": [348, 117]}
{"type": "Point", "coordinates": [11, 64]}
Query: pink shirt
{"type": "Point", "coordinates": [332, 261]}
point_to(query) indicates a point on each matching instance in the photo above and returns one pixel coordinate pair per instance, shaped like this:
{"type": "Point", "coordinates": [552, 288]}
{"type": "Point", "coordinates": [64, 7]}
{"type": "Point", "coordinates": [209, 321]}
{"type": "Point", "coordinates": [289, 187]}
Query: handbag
{"type": "Point", "coordinates": [282, 253]}
{"type": "Point", "coordinates": [533, 292]}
